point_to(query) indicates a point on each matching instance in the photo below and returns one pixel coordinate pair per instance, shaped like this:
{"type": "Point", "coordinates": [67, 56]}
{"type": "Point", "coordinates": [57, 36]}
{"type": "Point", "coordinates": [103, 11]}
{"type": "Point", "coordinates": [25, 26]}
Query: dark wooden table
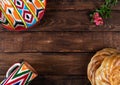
{"type": "Point", "coordinates": [61, 46]}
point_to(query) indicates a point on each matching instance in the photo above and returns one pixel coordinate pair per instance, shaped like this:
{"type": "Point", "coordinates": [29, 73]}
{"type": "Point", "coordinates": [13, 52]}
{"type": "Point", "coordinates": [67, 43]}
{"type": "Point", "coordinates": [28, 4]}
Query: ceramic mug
{"type": "Point", "coordinates": [19, 74]}
{"type": "Point", "coordinates": [21, 14]}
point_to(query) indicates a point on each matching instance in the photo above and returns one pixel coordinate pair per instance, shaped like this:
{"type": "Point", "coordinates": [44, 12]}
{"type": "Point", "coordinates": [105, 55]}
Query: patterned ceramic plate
{"type": "Point", "coordinates": [21, 14]}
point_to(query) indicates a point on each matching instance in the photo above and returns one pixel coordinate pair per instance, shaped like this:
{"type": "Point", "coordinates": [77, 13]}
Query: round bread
{"type": "Point", "coordinates": [109, 71]}
{"type": "Point", "coordinates": [96, 62]}
{"type": "Point", "coordinates": [21, 14]}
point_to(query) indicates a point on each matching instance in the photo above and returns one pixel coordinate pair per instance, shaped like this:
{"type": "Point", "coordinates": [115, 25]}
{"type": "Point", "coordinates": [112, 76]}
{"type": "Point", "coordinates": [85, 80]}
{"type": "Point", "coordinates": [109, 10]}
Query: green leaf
{"type": "Point", "coordinates": [91, 15]}
{"type": "Point", "coordinates": [105, 9]}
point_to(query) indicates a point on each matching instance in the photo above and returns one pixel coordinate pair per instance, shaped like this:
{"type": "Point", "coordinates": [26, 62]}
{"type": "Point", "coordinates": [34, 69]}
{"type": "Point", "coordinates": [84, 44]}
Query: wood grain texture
{"type": "Point", "coordinates": [66, 21]}
{"type": "Point", "coordinates": [58, 80]}
{"type": "Point", "coordinates": [76, 5]}
{"type": "Point", "coordinates": [61, 80]}
{"type": "Point", "coordinates": [76, 21]}
{"type": "Point", "coordinates": [58, 41]}
{"type": "Point", "coordinates": [62, 44]}
{"type": "Point", "coordinates": [72, 15]}
{"type": "Point", "coordinates": [49, 63]}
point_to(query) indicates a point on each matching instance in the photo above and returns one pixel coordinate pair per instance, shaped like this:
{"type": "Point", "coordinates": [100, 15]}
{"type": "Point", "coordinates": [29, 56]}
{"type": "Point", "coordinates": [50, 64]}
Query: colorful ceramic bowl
{"type": "Point", "coordinates": [21, 14]}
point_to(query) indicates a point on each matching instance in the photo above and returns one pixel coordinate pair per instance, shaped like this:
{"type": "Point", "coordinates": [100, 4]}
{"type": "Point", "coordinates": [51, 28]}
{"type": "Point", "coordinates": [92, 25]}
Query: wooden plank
{"type": "Point", "coordinates": [49, 63]}
{"type": "Point", "coordinates": [58, 80]}
{"type": "Point", "coordinates": [76, 5]}
{"type": "Point", "coordinates": [61, 80]}
{"type": "Point", "coordinates": [58, 41]}
{"type": "Point", "coordinates": [55, 21]}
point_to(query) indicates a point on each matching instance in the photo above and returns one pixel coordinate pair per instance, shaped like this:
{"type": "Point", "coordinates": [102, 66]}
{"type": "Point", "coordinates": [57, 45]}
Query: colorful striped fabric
{"type": "Point", "coordinates": [21, 14]}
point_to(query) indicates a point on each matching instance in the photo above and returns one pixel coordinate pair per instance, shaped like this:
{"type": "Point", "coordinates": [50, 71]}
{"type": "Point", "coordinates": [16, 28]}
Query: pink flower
{"type": "Point", "coordinates": [97, 19]}
{"type": "Point", "coordinates": [96, 14]}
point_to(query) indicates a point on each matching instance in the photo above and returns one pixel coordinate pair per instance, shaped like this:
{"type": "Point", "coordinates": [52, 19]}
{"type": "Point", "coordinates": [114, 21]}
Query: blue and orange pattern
{"type": "Point", "coordinates": [21, 14]}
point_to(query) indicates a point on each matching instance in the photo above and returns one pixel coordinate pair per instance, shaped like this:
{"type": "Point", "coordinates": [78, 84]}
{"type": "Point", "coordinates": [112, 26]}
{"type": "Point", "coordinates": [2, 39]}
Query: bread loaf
{"type": "Point", "coordinates": [104, 68]}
